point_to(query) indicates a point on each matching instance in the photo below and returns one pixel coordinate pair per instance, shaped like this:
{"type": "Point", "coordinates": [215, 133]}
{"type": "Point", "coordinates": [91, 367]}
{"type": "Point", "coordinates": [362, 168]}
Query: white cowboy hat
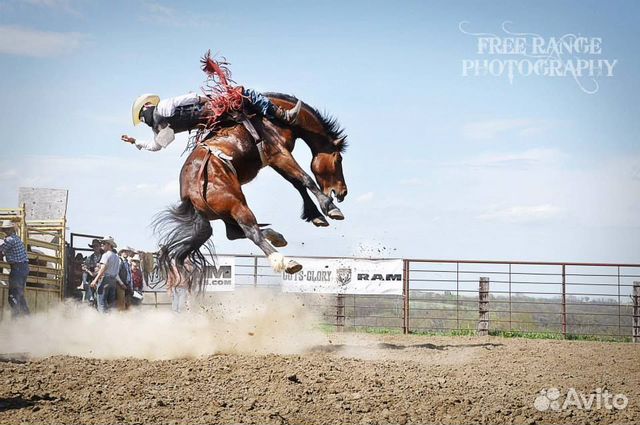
{"type": "Point", "coordinates": [136, 258]}
{"type": "Point", "coordinates": [140, 102]}
{"type": "Point", "coordinates": [110, 241]}
{"type": "Point", "coordinates": [6, 224]}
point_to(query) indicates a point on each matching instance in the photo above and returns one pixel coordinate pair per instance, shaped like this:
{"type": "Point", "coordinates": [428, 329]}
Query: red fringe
{"type": "Point", "coordinates": [223, 97]}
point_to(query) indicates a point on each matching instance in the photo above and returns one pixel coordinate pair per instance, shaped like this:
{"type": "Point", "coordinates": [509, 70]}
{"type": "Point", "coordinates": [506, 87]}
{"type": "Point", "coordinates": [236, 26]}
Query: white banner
{"type": "Point", "coordinates": [222, 276]}
{"type": "Point", "coordinates": [345, 276]}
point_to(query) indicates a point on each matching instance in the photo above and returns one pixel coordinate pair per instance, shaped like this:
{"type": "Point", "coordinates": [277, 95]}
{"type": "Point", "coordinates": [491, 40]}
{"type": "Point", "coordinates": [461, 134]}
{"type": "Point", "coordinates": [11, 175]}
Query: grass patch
{"type": "Point", "coordinates": [326, 328]}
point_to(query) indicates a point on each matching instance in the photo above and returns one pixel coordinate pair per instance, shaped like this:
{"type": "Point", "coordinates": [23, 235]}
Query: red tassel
{"type": "Point", "coordinates": [214, 69]}
{"type": "Point", "coordinates": [222, 96]}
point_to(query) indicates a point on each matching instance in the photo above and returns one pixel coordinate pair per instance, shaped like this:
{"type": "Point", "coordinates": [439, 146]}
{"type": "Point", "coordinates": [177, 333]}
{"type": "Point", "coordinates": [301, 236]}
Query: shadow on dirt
{"type": "Point", "coordinates": [334, 348]}
{"type": "Point", "coordinates": [14, 357]}
{"type": "Point", "coordinates": [19, 402]}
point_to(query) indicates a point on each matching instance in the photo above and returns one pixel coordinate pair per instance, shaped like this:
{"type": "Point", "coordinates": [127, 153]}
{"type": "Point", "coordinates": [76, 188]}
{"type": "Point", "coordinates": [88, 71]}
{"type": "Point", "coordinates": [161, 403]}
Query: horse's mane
{"type": "Point", "coordinates": [329, 123]}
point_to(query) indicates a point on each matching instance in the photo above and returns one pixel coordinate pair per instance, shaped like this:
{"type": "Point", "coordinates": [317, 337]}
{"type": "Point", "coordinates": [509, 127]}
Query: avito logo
{"type": "Point", "coordinates": [219, 275]}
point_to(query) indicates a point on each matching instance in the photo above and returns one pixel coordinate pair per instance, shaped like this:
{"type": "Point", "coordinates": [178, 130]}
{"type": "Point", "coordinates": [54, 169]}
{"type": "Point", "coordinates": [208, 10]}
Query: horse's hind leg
{"type": "Point", "coordinates": [247, 222]}
{"type": "Point", "coordinates": [184, 230]}
{"type": "Point", "coordinates": [234, 231]}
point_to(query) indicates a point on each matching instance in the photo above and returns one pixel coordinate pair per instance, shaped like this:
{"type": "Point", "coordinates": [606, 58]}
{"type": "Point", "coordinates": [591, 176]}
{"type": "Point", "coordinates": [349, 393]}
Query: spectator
{"type": "Point", "coordinates": [124, 292]}
{"type": "Point", "coordinates": [137, 281]}
{"type": "Point", "coordinates": [178, 286]}
{"type": "Point", "coordinates": [90, 268]}
{"type": "Point", "coordinates": [12, 248]}
{"type": "Point", "coordinates": [77, 272]}
{"type": "Point", "coordinates": [106, 279]}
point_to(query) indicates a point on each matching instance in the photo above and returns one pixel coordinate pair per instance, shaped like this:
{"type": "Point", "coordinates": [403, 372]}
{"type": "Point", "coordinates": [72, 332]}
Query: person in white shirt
{"type": "Point", "coordinates": [107, 277]}
{"type": "Point", "coordinates": [184, 113]}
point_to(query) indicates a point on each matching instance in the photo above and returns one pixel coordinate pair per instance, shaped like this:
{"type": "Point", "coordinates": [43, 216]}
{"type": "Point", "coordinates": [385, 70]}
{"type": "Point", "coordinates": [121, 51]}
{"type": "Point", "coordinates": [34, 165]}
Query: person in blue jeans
{"type": "Point", "coordinates": [185, 113]}
{"type": "Point", "coordinates": [107, 277]}
{"type": "Point", "coordinates": [179, 286]}
{"type": "Point", "coordinates": [15, 253]}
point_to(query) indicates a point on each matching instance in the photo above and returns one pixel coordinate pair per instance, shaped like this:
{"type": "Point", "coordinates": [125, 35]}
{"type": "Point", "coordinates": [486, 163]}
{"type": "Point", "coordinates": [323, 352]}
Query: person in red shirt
{"type": "Point", "coordinates": [136, 278]}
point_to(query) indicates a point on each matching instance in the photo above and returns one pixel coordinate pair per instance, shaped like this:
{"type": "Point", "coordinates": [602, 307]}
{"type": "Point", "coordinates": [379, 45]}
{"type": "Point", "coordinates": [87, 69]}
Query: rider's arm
{"type": "Point", "coordinates": [161, 140]}
{"type": "Point", "coordinates": [167, 107]}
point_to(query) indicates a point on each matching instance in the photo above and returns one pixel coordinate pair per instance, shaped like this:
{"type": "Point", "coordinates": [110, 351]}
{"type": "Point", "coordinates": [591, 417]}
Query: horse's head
{"type": "Point", "coordinates": [326, 166]}
{"type": "Point", "coordinates": [327, 142]}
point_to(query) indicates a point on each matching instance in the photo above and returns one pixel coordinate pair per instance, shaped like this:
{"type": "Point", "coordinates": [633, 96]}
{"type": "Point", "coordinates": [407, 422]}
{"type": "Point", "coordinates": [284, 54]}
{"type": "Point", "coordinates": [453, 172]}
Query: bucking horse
{"type": "Point", "coordinates": [212, 176]}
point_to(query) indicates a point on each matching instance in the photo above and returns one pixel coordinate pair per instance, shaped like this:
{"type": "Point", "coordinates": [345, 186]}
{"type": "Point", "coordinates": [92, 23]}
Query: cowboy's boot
{"type": "Point", "coordinates": [289, 116]}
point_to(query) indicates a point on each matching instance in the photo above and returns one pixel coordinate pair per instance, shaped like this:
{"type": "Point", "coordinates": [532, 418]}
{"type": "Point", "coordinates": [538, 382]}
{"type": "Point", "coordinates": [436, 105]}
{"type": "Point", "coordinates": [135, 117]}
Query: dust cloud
{"type": "Point", "coordinates": [244, 321]}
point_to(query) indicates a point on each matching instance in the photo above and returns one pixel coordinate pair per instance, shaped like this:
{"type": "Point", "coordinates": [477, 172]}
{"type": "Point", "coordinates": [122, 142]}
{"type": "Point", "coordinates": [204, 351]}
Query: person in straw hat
{"type": "Point", "coordinates": [191, 111]}
{"type": "Point", "coordinates": [15, 253]}
{"type": "Point", "coordinates": [106, 279]}
{"type": "Point", "coordinates": [185, 113]}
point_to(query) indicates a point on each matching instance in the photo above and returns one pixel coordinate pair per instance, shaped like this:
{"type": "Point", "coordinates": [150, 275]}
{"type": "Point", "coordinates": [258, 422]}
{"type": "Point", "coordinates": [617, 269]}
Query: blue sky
{"type": "Point", "coordinates": [439, 165]}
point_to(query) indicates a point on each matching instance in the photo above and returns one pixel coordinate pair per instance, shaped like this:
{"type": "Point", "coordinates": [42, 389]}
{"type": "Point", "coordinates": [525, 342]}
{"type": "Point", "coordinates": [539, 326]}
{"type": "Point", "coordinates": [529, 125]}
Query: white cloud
{"type": "Point", "coordinates": [490, 129]}
{"type": "Point", "coordinates": [29, 42]}
{"type": "Point", "coordinates": [528, 157]}
{"type": "Point", "coordinates": [172, 187]}
{"type": "Point", "coordinates": [64, 5]}
{"type": "Point", "coordinates": [365, 197]}
{"type": "Point", "coordinates": [414, 181]}
{"type": "Point", "coordinates": [8, 174]}
{"type": "Point", "coordinates": [523, 214]}
{"type": "Point", "coordinates": [107, 195]}
{"type": "Point", "coordinates": [160, 14]}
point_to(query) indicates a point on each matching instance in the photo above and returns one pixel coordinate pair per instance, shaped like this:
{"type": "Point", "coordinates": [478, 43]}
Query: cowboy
{"type": "Point", "coordinates": [107, 278]}
{"type": "Point", "coordinates": [185, 113]}
{"type": "Point", "coordinates": [15, 254]}
{"type": "Point", "coordinates": [90, 268]}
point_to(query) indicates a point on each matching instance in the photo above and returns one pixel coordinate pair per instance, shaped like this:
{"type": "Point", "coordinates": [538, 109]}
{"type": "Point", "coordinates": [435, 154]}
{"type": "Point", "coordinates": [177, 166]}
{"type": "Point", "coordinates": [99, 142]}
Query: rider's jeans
{"type": "Point", "coordinates": [260, 102]}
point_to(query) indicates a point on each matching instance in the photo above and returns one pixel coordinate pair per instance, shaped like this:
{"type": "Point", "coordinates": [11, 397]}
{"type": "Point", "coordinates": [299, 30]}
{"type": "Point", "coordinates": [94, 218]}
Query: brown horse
{"type": "Point", "coordinates": [212, 176]}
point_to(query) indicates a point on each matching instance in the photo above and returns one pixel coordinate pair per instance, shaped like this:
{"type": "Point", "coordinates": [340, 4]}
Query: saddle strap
{"type": "Point", "coordinates": [256, 137]}
{"type": "Point", "coordinates": [202, 176]}
{"type": "Point", "coordinates": [223, 157]}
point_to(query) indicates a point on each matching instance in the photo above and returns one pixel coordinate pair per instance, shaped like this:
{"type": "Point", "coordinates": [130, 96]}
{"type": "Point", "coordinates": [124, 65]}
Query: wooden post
{"type": "Point", "coordinates": [405, 297]}
{"type": "Point", "coordinates": [636, 312]}
{"type": "Point", "coordinates": [255, 271]}
{"type": "Point", "coordinates": [483, 307]}
{"type": "Point", "coordinates": [340, 312]}
{"type": "Point", "coordinates": [564, 301]}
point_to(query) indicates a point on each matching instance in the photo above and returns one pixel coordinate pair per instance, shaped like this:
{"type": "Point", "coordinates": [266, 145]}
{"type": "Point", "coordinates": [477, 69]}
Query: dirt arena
{"type": "Point", "coordinates": [347, 378]}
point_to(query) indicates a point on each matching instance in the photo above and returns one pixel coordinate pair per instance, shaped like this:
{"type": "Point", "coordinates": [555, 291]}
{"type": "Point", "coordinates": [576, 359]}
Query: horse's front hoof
{"type": "Point", "coordinates": [336, 214]}
{"type": "Point", "coordinates": [320, 222]}
{"type": "Point", "coordinates": [275, 238]}
{"type": "Point", "coordinates": [293, 267]}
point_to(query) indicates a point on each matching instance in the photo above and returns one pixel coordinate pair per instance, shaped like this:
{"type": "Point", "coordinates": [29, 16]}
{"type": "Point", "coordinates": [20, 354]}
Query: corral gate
{"type": "Point", "coordinates": [45, 241]}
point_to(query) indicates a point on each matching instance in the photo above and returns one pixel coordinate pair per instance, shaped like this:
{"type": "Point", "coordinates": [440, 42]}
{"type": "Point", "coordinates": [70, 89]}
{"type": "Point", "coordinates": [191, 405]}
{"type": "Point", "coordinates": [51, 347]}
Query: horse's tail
{"type": "Point", "coordinates": [183, 231]}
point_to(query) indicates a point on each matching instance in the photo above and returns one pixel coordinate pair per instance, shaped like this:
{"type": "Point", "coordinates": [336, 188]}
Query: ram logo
{"type": "Point", "coordinates": [379, 276]}
{"type": "Point", "coordinates": [343, 276]}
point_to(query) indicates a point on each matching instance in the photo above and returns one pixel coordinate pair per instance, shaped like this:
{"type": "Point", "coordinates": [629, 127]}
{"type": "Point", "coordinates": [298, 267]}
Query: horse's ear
{"type": "Point", "coordinates": [340, 143]}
